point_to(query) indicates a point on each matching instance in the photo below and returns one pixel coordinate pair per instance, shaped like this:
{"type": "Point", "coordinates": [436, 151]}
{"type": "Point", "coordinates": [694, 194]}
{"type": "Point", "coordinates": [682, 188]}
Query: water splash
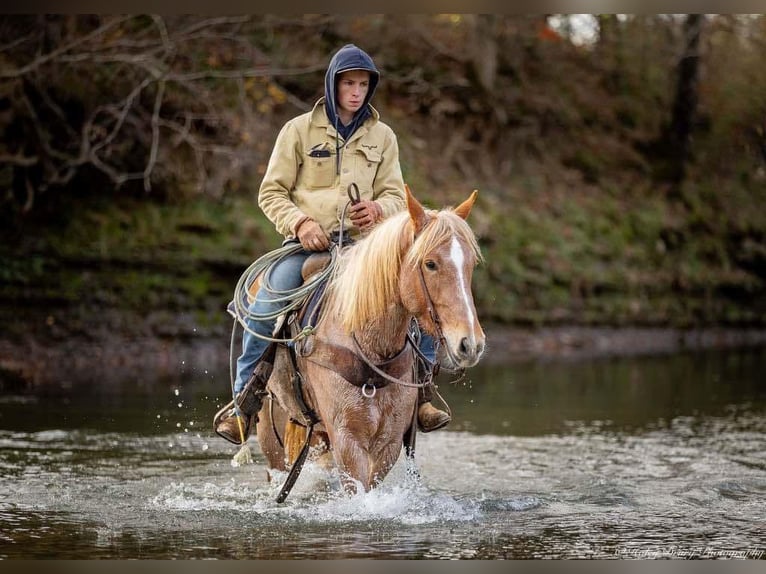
{"type": "Point", "coordinates": [319, 498]}
{"type": "Point", "coordinates": [590, 492]}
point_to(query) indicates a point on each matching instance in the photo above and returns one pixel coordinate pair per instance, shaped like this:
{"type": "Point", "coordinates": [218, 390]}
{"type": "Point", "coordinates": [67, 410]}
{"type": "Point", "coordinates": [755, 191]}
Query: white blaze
{"type": "Point", "coordinates": [458, 258]}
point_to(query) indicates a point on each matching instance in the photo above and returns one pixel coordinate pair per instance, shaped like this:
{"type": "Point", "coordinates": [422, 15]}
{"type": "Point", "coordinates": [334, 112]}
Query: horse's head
{"type": "Point", "coordinates": [435, 279]}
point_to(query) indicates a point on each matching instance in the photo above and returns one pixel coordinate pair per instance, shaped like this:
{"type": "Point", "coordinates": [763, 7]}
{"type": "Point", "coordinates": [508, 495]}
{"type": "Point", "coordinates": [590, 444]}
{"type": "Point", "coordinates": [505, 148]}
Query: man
{"type": "Point", "coordinates": [315, 158]}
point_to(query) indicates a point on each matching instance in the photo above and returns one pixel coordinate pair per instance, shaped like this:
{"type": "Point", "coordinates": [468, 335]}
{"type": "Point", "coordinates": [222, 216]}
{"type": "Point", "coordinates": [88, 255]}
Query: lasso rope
{"type": "Point", "coordinates": [292, 298]}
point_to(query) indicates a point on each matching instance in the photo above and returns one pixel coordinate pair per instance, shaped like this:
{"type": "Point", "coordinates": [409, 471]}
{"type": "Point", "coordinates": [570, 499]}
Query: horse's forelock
{"type": "Point", "coordinates": [440, 228]}
{"type": "Point", "coordinates": [366, 281]}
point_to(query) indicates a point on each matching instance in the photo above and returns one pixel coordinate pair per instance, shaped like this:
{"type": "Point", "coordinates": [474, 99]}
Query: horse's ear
{"type": "Point", "coordinates": [465, 208]}
{"type": "Point", "coordinates": [417, 211]}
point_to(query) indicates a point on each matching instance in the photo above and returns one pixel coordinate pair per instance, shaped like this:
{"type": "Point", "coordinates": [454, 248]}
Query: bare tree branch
{"type": "Point", "coordinates": [155, 136]}
{"type": "Point", "coordinates": [29, 202]}
{"type": "Point", "coordinates": [126, 106]}
{"type": "Point", "coordinates": [213, 22]}
{"type": "Point", "coordinates": [160, 24]}
{"type": "Point", "coordinates": [19, 159]}
{"type": "Point", "coordinates": [186, 64]}
{"type": "Point", "coordinates": [18, 42]}
{"type": "Point", "coordinates": [39, 61]}
{"type": "Point", "coordinates": [249, 73]}
{"type": "Point", "coordinates": [41, 132]}
{"type": "Point", "coordinates": [55, 108]}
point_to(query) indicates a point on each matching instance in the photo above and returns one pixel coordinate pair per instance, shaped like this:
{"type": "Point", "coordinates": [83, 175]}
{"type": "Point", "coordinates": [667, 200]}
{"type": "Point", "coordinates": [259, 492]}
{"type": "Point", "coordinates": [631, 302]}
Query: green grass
{"type": "Point", "coordinates": [609, 259]}
{"type": "Point", "coordinates": [586, 256]}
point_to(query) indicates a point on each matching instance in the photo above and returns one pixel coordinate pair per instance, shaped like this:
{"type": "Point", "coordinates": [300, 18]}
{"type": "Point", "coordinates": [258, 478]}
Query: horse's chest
{"type": "Point", "coordinates": [366, 417]}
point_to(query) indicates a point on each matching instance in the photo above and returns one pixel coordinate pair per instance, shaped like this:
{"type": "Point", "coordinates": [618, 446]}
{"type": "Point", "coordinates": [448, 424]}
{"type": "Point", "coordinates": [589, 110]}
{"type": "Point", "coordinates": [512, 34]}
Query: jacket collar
{"type": "Point", "coordinates": [319, 119]}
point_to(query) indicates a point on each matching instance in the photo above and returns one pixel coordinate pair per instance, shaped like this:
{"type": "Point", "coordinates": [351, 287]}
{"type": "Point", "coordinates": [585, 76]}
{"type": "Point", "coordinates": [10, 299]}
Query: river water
{"type": "Point", "coordinates": [650, 457]}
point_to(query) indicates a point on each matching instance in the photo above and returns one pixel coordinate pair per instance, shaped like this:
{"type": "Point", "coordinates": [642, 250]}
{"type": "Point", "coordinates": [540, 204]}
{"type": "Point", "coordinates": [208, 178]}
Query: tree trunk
{"type": "Point", "coordinates": [484, 50]}
{"type": "Point", "coordinates": [686, 98]}
{"type": "Point", "coordinates": [610, 50]}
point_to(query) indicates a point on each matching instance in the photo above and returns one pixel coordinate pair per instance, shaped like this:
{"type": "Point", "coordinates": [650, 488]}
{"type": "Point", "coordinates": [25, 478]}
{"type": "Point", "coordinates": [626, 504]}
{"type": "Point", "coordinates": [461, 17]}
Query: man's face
{"type": "Point", "coordinates": [352, 90]}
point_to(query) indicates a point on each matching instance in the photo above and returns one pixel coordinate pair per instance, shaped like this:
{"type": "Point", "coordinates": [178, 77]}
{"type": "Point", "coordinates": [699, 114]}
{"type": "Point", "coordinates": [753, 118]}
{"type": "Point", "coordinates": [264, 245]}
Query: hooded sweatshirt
{"type": "Point", "coordinates": [349, 57]}
{"type": "Point", "coordinates": [304, 179]}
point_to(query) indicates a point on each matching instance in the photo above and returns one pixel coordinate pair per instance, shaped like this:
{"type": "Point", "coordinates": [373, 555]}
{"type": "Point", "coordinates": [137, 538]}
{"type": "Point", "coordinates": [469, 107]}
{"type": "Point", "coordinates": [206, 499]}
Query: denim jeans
{"type": "Point", "coordinates": [284, 276]}
{"type": "Point", "coordinates": [428, 346]}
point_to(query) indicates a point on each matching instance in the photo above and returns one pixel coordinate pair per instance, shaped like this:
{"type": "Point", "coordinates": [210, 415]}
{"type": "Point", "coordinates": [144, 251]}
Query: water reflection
{"type": "Point", "coordinates": [523, 398]}
{"type": "Point", "coordinates": [539, 397]}
{"type": "Point", "coordinates": [649, 457]}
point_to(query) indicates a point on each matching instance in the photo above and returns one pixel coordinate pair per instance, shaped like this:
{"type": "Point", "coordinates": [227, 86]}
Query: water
{"type": "Point", "coordinates": [641, 457]}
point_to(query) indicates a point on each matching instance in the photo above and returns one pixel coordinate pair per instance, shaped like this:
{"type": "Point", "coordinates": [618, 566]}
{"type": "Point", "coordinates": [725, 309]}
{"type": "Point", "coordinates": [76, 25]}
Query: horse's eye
{"type": "Point", "coordinates": [431, 265]}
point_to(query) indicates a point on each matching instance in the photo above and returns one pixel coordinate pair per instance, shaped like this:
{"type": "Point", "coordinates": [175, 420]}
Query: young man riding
{"type": "Point", "coordinates": [316, 157]}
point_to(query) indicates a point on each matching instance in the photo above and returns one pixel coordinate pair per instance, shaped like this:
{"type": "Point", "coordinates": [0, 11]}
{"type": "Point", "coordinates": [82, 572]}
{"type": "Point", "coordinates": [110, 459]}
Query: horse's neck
{"type": "Point", "coordinates": [384, 337]}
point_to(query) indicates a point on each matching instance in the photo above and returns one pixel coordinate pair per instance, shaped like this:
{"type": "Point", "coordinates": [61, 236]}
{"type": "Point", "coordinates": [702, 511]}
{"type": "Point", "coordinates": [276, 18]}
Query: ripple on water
{"type": "Point", "coordinates": [594, 492]}
{"type": "Point", "coordinates": [516, 504]}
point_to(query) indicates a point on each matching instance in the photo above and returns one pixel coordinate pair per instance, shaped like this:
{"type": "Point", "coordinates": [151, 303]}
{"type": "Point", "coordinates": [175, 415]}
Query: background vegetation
{"type": "Point", "coordinates": [621, 161]}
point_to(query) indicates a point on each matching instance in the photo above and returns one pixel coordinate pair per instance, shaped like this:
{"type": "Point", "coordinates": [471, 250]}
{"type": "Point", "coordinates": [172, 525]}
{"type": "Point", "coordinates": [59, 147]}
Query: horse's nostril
{"type": "Point", "coordinates": [464, 346]}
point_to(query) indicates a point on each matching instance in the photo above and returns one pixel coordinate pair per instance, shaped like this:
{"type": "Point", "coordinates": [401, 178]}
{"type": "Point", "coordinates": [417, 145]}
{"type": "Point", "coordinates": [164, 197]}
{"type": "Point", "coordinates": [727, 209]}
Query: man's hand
{"type": "Point", "coordinates": [312, 236]}
{"type": "Point", "coordinates": [365, 214]}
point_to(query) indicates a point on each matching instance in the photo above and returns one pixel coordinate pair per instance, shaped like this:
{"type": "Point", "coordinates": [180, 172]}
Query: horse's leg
{"type": "Point", "coordinates": [324, 458]}
{"type": "Point", "coordinates": [353, 462]}
{"type": "Point", "coordinates": [295, 437]}
{"type": "Point", "coordinates": [384, 461]}
{"type": "Point", "coordinates": [267, 437]}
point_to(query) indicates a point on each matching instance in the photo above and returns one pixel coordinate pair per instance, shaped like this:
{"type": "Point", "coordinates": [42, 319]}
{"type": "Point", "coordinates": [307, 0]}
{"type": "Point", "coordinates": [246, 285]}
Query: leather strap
{"type": "Point", "coordinates": [309, 413]}
{"type": "Point", "coordinates": [348, 365]}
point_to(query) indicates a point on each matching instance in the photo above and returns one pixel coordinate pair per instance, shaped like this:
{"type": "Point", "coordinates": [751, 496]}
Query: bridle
{"type": "Point", "coordinates": [440, 341]}
{"type": "Point", "coordinates": [434, 316]}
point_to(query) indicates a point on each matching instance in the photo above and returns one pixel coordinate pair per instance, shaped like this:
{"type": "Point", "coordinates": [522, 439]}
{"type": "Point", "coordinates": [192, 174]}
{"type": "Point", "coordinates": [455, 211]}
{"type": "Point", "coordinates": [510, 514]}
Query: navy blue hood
{"type": "Point", "coordinates": [349, 57]}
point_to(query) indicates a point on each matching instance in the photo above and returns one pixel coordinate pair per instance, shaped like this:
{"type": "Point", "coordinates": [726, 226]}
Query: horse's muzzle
{"type": "Point", "coordinates": [466, 353]}
{"type": "Point", "coordinates": [470, 351]}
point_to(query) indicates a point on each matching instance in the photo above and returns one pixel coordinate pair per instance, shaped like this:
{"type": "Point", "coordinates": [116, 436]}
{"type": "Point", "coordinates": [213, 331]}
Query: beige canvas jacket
{"type": "Point", "coordinates": [302, 177]}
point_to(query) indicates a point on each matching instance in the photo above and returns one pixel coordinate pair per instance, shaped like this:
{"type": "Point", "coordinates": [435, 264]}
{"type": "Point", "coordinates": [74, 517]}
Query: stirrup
{"type": "Point", "coordinates": [235, 421]}
{"type": "Point", "coordinates": [226, 424]}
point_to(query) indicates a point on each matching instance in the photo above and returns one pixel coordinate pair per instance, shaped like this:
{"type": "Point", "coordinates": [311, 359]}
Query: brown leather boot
{"type": "Point", "coordinates": [235, 424]}
{"type": "Point", "coordinates": [232, 427]}
{"type": "Point", "coordinates": [430, 418]}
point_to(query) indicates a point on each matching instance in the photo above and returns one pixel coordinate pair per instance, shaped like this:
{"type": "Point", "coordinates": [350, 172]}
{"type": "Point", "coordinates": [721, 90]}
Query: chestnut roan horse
{"type": "Point", "coordinates": [416, 264]}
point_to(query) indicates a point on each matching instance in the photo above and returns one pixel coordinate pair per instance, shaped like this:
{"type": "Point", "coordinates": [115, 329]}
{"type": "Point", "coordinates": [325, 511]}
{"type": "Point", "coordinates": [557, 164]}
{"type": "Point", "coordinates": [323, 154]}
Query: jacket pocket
{"type": "Point", "coordinates": [319, 171]}
{"type": "Point", "coordinates": [367, 164]}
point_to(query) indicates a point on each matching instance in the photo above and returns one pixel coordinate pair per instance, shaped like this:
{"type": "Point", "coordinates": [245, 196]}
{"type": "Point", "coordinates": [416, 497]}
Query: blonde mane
{"type": "Point", "coordinates": [365, 282]}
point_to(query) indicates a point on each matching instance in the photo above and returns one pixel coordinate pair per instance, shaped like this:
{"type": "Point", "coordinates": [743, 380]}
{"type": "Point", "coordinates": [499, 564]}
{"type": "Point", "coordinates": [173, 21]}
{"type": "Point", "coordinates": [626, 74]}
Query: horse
{"type": "Point", "coordinates": [415, 264]}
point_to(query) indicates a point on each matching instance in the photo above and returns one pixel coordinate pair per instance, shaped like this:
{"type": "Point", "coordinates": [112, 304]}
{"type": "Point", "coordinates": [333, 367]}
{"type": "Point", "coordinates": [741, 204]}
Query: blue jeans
{"type": "Point", "coordinates": [283, 276]}
{"type": "Point", "coordinates": [428, 346]}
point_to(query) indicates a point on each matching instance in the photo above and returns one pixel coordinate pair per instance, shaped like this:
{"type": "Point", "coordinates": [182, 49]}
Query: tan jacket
{"type": "Point", "coordinates": [297, 184]}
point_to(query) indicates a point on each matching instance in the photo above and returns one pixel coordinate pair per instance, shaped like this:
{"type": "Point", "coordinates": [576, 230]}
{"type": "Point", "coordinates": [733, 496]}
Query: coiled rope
{"type": "Point", "coordinates": [240, 309]}
{"type": "Point", "coordinates": [292, 299]}
{"type": "Point", "coordinates": [286, 301]}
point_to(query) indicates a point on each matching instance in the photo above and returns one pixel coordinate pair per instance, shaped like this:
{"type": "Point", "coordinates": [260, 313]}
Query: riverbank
{"type": "Point", "coordinates": [131, 286]}
{"type": "Point", "coordinates": [30, 363]}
